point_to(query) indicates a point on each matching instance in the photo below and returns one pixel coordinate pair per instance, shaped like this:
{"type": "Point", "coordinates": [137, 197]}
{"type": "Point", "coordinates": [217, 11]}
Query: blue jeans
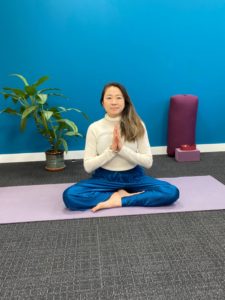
{"type": "Point", "coordinates": [103, 183]}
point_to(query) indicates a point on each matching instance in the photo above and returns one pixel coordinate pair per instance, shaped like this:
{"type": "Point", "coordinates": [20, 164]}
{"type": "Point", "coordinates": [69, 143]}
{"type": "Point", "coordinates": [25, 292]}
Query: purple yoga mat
{"type": "Point", "coordinates": [44, 202]}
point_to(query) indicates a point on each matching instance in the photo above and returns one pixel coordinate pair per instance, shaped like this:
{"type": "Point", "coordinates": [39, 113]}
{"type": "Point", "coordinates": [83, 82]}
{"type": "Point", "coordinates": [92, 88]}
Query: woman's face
{"type": "Point", "coordinates": [113, 101]}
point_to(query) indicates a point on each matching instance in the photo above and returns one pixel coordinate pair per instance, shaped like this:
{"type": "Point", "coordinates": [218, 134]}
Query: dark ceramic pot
{"type": "Point", "coordinates": [54, 160]}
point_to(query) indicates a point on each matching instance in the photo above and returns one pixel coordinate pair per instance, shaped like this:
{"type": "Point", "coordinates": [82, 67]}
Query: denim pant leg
{"type": "Point", "coordinates": [154, 192]}
{"type": "Point", "coordinates": [88, 193]}
{"type": "Point", "coordinates": [84, 194]}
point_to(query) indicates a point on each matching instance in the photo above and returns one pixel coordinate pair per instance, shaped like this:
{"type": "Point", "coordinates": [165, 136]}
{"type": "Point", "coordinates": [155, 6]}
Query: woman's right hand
{"type": "Point", "coordinates": [115, 141]}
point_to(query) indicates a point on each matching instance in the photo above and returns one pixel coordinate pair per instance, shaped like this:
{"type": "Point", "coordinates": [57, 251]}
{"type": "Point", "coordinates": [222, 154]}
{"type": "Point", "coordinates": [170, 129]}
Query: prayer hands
{"type": "Point", "coordinates": [116, 142]}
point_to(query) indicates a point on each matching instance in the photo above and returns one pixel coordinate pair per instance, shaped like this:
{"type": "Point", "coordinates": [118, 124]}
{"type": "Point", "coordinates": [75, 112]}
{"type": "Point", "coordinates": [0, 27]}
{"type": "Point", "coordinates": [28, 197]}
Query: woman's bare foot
{"type": "Point", "coordinates": [124, 193]}
{"type": "Point", "coordinates": [113, 201]}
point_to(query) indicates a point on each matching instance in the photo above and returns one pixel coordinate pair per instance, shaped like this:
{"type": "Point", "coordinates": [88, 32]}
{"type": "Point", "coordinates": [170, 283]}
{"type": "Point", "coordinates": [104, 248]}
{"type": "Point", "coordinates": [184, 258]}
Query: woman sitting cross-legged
{"type": "Point", "coordinates": [117, 148]}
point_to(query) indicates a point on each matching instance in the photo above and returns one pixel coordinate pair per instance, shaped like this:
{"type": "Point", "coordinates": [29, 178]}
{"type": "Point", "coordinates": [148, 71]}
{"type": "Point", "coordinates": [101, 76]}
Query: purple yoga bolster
{"type": "Point", "coordinates": [181, 121]}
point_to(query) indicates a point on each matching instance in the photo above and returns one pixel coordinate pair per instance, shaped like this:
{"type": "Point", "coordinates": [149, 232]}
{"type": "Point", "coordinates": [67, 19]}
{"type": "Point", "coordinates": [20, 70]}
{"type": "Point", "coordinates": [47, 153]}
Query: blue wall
{"type": "Point", "coordinates": [156, 48]}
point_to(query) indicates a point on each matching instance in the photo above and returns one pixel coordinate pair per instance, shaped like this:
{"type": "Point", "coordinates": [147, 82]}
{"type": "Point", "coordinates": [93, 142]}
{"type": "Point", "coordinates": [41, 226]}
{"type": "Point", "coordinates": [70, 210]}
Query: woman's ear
{"type": "Point", "coordinates": [103, 104]}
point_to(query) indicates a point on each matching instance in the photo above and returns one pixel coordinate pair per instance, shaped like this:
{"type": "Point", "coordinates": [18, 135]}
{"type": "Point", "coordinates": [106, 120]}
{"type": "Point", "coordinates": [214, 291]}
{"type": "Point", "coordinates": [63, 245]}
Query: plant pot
{"type": "Point", "coordinates": [54, 160]}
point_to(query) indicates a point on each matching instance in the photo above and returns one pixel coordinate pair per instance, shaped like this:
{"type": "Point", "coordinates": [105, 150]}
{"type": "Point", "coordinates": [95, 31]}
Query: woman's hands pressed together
{"type": "Point", "coordinates": [116, 142]}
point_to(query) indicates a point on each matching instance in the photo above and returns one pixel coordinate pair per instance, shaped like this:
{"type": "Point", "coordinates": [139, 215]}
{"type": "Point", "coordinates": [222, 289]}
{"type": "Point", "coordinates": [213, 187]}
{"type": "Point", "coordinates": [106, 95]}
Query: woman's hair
{"type": "Point", "coordinates": [130, 125]}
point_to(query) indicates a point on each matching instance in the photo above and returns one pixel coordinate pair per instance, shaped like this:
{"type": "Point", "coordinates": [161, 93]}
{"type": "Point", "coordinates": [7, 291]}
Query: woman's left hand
{"type": "Point", "coordinates": [118, 137]}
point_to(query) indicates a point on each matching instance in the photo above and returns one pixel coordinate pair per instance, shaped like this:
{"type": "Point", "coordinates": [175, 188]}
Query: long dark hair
{"type": "Point", "coordinates": [130, 125]}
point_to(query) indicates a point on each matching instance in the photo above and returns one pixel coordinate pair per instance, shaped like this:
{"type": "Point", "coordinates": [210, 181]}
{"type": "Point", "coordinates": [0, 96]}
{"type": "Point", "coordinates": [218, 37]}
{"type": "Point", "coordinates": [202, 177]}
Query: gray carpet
{"type": "Point", "coordinates": [163, 166]}
{"type": "Point", "coordinates": [165, 256]}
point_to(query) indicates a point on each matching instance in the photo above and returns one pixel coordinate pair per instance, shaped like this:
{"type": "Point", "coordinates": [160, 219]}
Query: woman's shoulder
{"type": "Point", "coordinates": [143, 124]}
{"type": "Point", "coordinates": [96, 124]}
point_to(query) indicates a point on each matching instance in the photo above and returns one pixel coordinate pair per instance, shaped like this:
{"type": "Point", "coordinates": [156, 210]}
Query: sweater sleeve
{"type": "Point", "coordinates": [92, 160]}
{"type": "Point", "coordinates": [143, 155]}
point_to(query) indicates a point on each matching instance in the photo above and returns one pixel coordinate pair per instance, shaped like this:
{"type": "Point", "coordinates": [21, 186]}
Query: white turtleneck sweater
{"type": "Point", "coordinates": [98, 153]}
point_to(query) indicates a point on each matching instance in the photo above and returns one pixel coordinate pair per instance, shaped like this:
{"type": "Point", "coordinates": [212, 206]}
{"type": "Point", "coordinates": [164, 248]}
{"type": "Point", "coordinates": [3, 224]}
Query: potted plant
{"type": "Point", "coordinates": [31, 102]}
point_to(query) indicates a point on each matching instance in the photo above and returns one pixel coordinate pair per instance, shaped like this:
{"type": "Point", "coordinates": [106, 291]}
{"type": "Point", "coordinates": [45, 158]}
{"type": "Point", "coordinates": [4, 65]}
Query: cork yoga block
{"type": "Point", "coordinates": [192, 155]}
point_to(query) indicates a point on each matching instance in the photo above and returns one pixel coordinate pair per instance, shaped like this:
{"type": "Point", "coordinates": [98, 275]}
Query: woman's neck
{"type": "Point", "coordinates": [113, 119]}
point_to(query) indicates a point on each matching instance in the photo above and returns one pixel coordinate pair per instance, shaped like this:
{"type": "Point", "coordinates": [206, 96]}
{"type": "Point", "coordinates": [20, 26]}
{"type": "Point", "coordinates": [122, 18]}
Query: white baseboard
{"type": "Point", "coordinates": [40, 156]}
{"type": "Point", "coordinates": [211, 147]}
{"type": "Point", "coordinates": [35, 156]}
{"type": "Point", "coordinates": [202, 147]}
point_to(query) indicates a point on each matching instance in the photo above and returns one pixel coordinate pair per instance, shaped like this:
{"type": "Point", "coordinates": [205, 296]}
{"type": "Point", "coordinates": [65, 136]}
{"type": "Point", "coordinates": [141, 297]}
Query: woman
{"type": "Point", "coordinates": [117, 148]}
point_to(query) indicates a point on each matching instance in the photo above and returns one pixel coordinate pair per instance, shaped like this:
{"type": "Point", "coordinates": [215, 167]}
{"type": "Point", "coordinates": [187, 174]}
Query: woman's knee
{"type": "Point", "coordinates": [67, 197]}
{"type": "Point", "coordinates": [173, 194]}
{"type": "Point", "coordinates": [75, 198]}
{"type": "Point", "coordinates": [70, 198]}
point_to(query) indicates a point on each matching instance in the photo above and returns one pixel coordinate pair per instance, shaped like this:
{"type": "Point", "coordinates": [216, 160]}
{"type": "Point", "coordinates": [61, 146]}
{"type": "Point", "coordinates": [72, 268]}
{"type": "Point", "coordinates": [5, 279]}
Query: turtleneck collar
{"type": "Point", "coordinates": [116, 119]}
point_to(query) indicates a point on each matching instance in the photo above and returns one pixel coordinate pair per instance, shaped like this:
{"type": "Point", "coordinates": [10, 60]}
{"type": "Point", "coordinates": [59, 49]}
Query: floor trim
{"type": "Point", "coordinates": [40, 156]}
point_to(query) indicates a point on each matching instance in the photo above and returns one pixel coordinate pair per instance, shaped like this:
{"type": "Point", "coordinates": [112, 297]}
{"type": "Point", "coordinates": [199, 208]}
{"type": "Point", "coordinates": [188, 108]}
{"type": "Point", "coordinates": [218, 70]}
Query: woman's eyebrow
{"type": "Point", "coordinates": [117, 95]}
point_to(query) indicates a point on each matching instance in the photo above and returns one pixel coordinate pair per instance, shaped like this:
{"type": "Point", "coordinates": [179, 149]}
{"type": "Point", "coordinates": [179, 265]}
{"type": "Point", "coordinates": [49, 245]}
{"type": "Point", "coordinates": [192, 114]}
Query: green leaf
{"type": "Point", "coordinates": [58, 95]}
{"type": "Point", "coordinates": [56, 113]}
{"type": "Point", "coordinates": [77, 110]}
{"type": "Point", "coordinates": [28, 111]}
{"type": "Point", "coordinates": [56, 116]}
{"type": "Point", "coordinates": [69, 109]}
{"type": "Point", "coordinates": [63, 109]}
{"type": "Point", "coordinates": [15, 99]}
{"type": "Point", "coordinates": [7, 95]}
{"type": "Point", "coordinates": [43, 98]}
{"type": "Point", "coordinates": [71, 124]}
{"type": "Point", "coordinates": [51, 133]}
{"type": "Point", "coordinates": [65, 145]}
{"type": "Point", "coordinates": [22, 109]}
{"type": "Point", "coordinates": [47, 114]}
{"type": "Point", "coordinates": [41, 80]}
{"type": "Point", "coordinates": [17, 92]}
{"type": "Point", "coordinates": [7, 89]}
{"type": "Point", "coordinates": [22, 78]}
{"type": "Point", "coordinates": [70, 133]}
{"type": "Point", "coordinates": [48, 89]}
{"type": "Point", "coordinates": [38, 121]}
{"type": "Point", "coordinates": [10, 111]}
{"type": "Point", "coordinates": [44, 121]}
{"type": "Point", "coordinates": [85, 115]}
{"type": "Point", "coordinates": [23, 124]}
{"type": "Point", "coordinates": [31, 90]}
